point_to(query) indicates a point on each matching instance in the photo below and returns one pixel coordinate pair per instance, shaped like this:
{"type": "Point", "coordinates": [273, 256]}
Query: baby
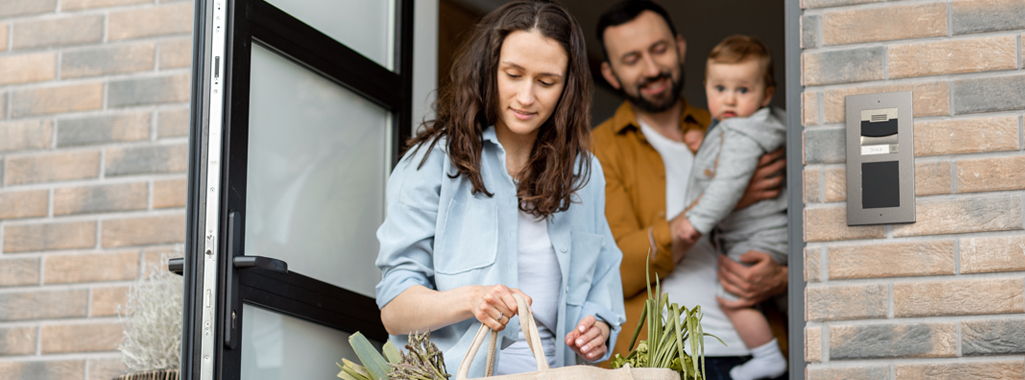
{"type": "Point", "coordinates": [739, 86]}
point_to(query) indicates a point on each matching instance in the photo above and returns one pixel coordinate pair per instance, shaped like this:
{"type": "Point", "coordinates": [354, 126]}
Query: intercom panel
{"type": "Point", "coordinates": [880, 159]}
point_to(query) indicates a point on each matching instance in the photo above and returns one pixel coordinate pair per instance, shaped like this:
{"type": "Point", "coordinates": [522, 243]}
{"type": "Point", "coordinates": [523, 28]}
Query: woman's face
{"type": "Point", "coordinates": [531, 76]}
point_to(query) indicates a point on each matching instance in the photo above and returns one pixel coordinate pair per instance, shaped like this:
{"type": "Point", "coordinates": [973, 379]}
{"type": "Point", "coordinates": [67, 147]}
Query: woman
{"type": "Point", "coordinates": [499, 195]}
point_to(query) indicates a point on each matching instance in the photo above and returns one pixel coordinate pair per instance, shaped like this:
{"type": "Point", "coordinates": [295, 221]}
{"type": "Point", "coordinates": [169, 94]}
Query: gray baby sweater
{"type": "Point", "coordinates": [723, 167]}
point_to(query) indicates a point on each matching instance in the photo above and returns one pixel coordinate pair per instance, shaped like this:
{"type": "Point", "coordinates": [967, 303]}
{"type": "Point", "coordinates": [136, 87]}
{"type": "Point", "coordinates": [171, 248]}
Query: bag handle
{"type": "Point", "coordinates": [529, 328]}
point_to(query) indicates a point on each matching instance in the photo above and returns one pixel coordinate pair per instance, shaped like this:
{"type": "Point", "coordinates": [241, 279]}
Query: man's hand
{"type": "Point", "coordinates": [756, 283]}
{"type": "Point", "coordinates": [767, 180]}
{"type": "Point", "coordinates": [588, 339]}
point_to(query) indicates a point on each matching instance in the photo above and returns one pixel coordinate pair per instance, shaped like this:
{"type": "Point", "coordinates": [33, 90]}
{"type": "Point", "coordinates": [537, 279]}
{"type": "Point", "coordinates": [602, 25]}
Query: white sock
{"type": "Point", "coordinates": [767, 362]}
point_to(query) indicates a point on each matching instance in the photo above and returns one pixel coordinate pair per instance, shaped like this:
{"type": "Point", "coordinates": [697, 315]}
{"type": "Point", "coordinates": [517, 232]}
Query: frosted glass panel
{"type": "Point", "coordinates": [364, 26]}
{"type": "Point", "coordinates": [280, 347]}
{"type": "Point", "coordinates": [318, 158]}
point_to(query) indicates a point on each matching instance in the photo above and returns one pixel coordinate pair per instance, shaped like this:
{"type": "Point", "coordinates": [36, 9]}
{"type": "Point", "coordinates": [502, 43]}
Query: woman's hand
{"type": "Point", "coordinates": [494, 305]}
{"type": "Point", "coordinates": [588, 339]}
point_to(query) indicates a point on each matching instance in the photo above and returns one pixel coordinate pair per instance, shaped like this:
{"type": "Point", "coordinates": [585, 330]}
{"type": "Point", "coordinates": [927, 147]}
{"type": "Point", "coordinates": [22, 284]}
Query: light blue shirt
{"type": "Point", "coordinates": [439, 235]}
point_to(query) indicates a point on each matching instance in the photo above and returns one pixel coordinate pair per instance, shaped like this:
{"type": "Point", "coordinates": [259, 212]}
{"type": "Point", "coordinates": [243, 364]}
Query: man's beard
{"type": "Point", "coordinates": [676, 87]}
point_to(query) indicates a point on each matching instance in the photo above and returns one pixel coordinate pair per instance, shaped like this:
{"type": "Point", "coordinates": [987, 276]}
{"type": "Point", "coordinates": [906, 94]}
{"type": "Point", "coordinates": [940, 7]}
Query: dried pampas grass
{"type": "Point", "coordinates": [152, 320]}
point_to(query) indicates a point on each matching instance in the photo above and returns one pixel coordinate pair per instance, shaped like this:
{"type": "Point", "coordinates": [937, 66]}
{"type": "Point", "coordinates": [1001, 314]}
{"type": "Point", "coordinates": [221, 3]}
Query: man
{"type": "Point", "coordinates": [646, 150]}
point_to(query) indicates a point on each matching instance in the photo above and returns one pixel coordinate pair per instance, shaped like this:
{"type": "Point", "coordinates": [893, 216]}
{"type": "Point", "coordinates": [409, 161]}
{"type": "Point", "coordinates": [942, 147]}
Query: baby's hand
{"type": "Point", "coordinates": [690, 234]}
{"type": "Point", "coordinates": [693, 139]}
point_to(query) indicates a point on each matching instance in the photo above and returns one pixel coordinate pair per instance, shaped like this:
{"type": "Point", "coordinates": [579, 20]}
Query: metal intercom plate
{"type": "Point", "coordinates": [880, 159]}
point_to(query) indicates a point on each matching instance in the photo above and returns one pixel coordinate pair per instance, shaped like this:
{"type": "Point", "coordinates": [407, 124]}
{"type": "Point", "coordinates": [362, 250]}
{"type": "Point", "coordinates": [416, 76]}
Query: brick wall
{"type": "Point", "coordinates": [943, 298]}
{"type": "Point", "coordinates": [93, 140]}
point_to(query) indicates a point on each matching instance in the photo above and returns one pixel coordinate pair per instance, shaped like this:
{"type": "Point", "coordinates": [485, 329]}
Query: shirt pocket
{"type": "Point", "coordinates": [468, 238]}
{"type": "Point", "coordinates": [585, 250]}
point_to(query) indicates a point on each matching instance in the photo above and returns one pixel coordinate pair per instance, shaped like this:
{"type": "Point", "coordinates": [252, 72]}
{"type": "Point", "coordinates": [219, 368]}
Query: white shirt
{"type": "Point", "coordinates": [678, 161]}
{"type": "Point", "coordinates": [693, 282]}
{"type": "Point", "coordinates": [540, 278]}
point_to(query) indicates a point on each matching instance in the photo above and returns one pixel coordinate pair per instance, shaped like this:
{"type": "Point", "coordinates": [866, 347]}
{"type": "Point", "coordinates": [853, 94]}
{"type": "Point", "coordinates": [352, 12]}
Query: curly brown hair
{"type": "Point", "coordinates": [559, 162]}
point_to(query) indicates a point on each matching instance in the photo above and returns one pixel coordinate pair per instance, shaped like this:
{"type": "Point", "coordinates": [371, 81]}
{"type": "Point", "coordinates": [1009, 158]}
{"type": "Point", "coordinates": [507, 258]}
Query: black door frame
{"type": "Point", "coordinates": [795, 183]}
{"type": "Point", "coordinates": [247, 22]}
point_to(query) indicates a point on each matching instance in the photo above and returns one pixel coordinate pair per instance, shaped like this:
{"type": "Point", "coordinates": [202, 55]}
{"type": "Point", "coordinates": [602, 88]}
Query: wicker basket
{"type": "Point", "coordinates": [162, 374]}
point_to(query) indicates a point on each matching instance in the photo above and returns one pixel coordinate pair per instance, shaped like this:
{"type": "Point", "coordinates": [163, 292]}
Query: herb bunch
{"type": "Point", "coordinates": [422, 361]}
{"type": "Point", "coordinates": [667, 331]}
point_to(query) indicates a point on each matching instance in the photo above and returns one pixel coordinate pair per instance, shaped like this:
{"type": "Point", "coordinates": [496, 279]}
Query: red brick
{"type": "Point", "coordinates": [49, 370]}
{"type": "Point", "coordinates": [27, 7]}
{"type": "Point", "coordinates": [842, 66]}
{"type": "Point", "coordinates": [23, 204]}
{"type": "Point", "coordinates": [173, 123]}
{"type": "Point", "coordinates": [3, 36]}
{"type": "Point", "coordinates": [991, 174]}
{"type": "Point", "coordinates": [104, 198]}
{"type": "Point", "coordinates": [813, 344]}
{"type": "Point", "coordinates": [830, 223]}
{"type": "Point", "coordinates": [108, 60]}
{"type": "Point", "coordinates": [156, 258]}
{"type": "Point", "coordinates": [931, 99]}
{"type": "Point", "coordinates": [832, 3]}
{"type": "Point", "coordinates": [1002, 370]}
{"type": "Point", "coordinates": [147, 159]}
{"type": "Point", "coordinates": [831, 303]}
{"type": "Point", "coordinates": [105, 129]}
{"type": "Point", "coordinates": [46, 304]}
{"type": "Point", "coordinates": [77, 268]}
{"type": "Point", "coordinates": [894, 22]}
{"type": "Point", "coordinates": [105, 300]}
{"type": "Point", "coordinates": [17, 341]}
{"type": "Point", "coordinates": [933, 178]}
{"type": "Point", "coordinates": [836, 184]}
{"type": "Point", "coordinates": [975, 16]}
{"type": "Point", "coordinates": [812, 266]}
{"type": "Point", "coordinates": [849, 373]}
{"type": "Point", "coordinates": [966, 214]}
{"type": "Point", "coordinates": [68, 5]}
{"type": "Point", "coordinates": [169, 194]}
{"type": "Point", "coordinates": [959, 297]}
{"type": "Point", "coordinates": [85, 337]}
{"type": "Point", "coordinates": [105, 369]}
{"type": "Point", "coordinates": [58, 32]}
{"type": "Point", "coordinates": [893, 340]}
{"type": "Point", "coordinates": [50, 100]}
{"type": "Point", "coordinates": [923, 258]}
{"type": "Point", "coordinates": [993, 254]}
{"type": "Point", "coordinates": [988, 134]}
{"type": "Point", "coordinates": [952, 57]}
{"type": "Point", "coordinates": [812, 186]}
{"type": "Point", "coordinates": [26, 135]}
{"type": "Point", "coordinates": [28, 68]}
{"type": "Point", "coordinates": [52, 167]}
{"type": "Point", "coordinates": [143, 231]}
{"type": "Point", "coordinates": [809, 108]}
{"type": "Point", "coordinates": [19, 271]}
{"type": "Point", "coordinates": [152, 21]}
{"type": "Point", "coordinates": [175, 54]}
{"type": "Point", "coordinates": [49, 236]}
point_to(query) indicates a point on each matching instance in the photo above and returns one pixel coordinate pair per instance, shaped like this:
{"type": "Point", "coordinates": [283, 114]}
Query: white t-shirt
{"type": "Point", "coordinates": [693, 282]}
{"type": "Point", "coordinates": [540, 278]}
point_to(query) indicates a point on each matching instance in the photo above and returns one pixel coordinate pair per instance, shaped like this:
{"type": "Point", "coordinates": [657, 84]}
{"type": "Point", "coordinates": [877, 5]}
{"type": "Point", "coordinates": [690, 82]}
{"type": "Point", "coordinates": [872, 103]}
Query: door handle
{"type": "Point", "coordinates": [274, 265]}
{"type": "Point", "coordinates": [240, 262]}
{"type": "Point", "coordinates": [176, 266]}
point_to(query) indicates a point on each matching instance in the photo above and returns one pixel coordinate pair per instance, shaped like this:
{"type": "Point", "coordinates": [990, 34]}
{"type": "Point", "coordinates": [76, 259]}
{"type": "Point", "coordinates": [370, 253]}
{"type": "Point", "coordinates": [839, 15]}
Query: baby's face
{"type": "Point", "coordinates": [736, 89]}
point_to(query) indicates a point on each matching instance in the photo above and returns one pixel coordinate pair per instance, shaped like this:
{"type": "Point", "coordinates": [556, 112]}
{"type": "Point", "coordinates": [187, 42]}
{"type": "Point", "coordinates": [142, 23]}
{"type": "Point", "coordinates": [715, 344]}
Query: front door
{"type": "Point", "coordinates": [298, 111]}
